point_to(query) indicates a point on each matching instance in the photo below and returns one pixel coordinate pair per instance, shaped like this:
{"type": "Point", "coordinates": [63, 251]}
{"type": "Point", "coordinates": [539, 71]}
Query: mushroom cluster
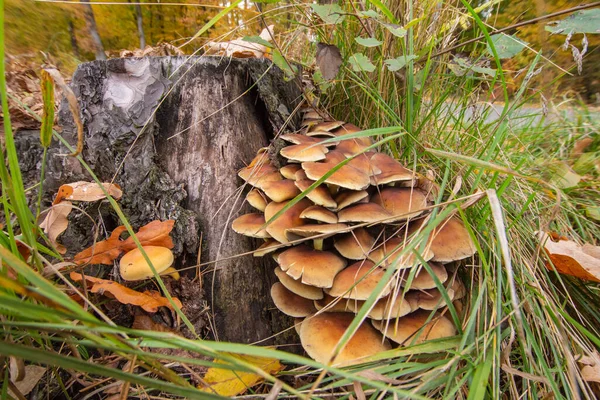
{"type": "Point", "coordinates": [334, 246]}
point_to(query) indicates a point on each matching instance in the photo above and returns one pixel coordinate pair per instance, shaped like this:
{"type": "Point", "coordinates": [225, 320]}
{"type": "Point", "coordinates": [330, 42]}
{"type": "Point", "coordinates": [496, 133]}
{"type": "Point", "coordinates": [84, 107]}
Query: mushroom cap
{"type": "Point", "coordinates": [333, 304]}
{"type": "Point", "coordinates": [327, 126]}
{"type": "Point", "coordinates": [346, 176]}
{"type": "Point", "coordinates": [422, 280]}
{"type": "Point", "coordinates": [358, 281]}
{"type": "Point", "coordinates": [402, 203]}
{"type": "Point", "coordinates": [319, 195]}
{"type": "Point", "coordinates": [388, 307]}
{"type": "Point", "coordinates": [451, 242]}
{"type": "Point", "coordinates": [315, 267]}
{"type": "Point", "coordinates": [388, 254]}
{"type": "Point", "coordinates": [458, 287]}
{"type": "Point", "coordinates": [251, 225]}
{"type": "Point", "coordinates": [133, 265]}
{"type": "Point", "coordinates": [256, 199]}
{"type": "Point", "coordinates": [259, 174]}
{"type": "Point", "coordinates": [290, 303]}
{"type": "Point", "coordinates": [354, 245]}
{"type": "Point", "coordinates": [297, 287]}
{"type": "Point", "coordinates": [267, 247]}
{"type": "Point", "coordinates": [321, 333]}
{"type": "Point", "coordinates": [289, 171]}
{"type": "Point", "coordinates": [298, 138]}
{"type": "Point", "coordinates": [304, 152]}
{"type": "Point", "coordinates": [289, 219]}
{"type": "Point", "coordinates": [391, 170]}
{"type": "Point", "coordinates": [308, 230]}
{"type": "Point", "coordinates": [349, 197]}
{"type": "Point", "coordinates": [281, 190]}
{"type": "Point", "coordinates": [364, 212]}
{"type": "Point", "coordinates": [411, 328]}
{"type": "Point", "coordinates": [430, 299]}
{"type": "Point", "coordinates": [320, 214]}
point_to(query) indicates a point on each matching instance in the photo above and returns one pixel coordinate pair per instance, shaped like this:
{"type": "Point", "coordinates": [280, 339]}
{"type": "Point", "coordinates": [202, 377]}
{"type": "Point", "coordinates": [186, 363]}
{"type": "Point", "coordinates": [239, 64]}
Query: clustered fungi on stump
{"type": "Point", "coordinates": [333, 246]}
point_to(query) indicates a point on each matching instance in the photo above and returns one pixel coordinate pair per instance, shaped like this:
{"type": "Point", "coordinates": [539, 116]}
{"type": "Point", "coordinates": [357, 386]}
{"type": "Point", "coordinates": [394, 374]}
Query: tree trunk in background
{"type": "Point", "coordinates": [200, 130]}
{"type": "Point", "coordinates": [74, 45]}
{"type": "Point", "coordinates": [140, 26]}
{"type": "Point", "coordinates": [91, 24]}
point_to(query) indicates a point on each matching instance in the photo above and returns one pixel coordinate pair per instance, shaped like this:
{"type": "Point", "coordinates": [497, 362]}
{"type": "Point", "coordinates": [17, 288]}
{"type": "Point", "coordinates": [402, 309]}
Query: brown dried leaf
{"type": "Point", "coordinates": [572, 259]}
{"type": "Point", "coordinates": [33, 374]}
{"type": "Point", "coordinates": [104, 252]}
{"type": "Point", "coordinates": [591, 367]}
{"type": "Point", "coordinates": [240, 48]}
{"type": "Point", "coordinates": [149, 300]}
{"type": "Point", "coordinates": [329, 60]}
{"type": "Point", "coordinates": [580, 146]}
{"type": "Point", "coordinates": [56, 222]}
{"type": "Point", "coordinates": [89, 191]}
{"type": "Point", "coordinates": [156, 233]}
{"type": "Point", "coordinates": [145, 323]}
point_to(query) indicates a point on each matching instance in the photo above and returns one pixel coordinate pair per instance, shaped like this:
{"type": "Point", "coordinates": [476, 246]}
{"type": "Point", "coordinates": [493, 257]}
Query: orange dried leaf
{"type": "Point", "coordinates": [156, 233]}
{"type": "Point", "coordinates": [63, 192]}
{"type": "Point", "coordinates": [572, 259]}
{"type": "Point", "coordinates": [149, 301]}
{"type": "Point", "coordinates": [89, 191]}
{"type": "Point", "coordinates": [104, 252]}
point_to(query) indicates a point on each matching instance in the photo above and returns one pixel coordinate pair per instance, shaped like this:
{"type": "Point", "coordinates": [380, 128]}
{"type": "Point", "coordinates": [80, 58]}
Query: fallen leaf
{"type": "Point", "coordinates": [149, 300]}
{"type": "Point", "coordinates": [56, 222]}
{"type": "Point", "coordinates": [63, 192]}
{"type": "Point", "coordinates": [329, 60]}
{"type": "Point", "coordinates": [156, 233]}
{"type": "Point", "coordinates": [33, 374]}
{"type": "Point", "coordinates": [563, 176]}
{"type": "Point", "coordinates": [145, 323]}
{"type": "Point", "coordinates": [591, 367]}
{"type": "Point", "coordinates": [104, 252]}
{"type": "Point", "coordinates": [89, 191]}
{"type": "Point", "coordinates": [226, 382]}
{"type": "Point", "coordinates": [580, 146]}
{"type": "Point", "coordinates": [572, 259]}
{"type": "Point", "coordinates": [240, 48]}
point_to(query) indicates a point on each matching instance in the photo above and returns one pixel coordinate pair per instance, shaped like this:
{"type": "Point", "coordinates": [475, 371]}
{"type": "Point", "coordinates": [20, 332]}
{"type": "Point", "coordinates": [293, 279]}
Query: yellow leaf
{"type": "Point", "coordinates": [226, 382]}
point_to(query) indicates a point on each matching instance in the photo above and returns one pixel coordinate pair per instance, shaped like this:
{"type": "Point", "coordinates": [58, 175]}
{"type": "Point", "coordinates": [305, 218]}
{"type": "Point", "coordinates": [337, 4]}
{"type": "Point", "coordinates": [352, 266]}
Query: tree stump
{"type": "Point", "coordinates": [173, 131]}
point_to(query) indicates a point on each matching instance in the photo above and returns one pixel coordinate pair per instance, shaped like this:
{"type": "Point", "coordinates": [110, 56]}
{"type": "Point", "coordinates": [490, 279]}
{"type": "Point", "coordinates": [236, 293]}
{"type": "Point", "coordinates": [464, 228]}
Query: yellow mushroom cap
{"type": "Point", "coordinates": [403, 203]}
{"type": "Point", "coordinates": [355, 245]}
{"type": "Point", "coordinates": [289, 219]}
{"type": "Point", "coordinates": [281, 190]}
{"type": "Point", "coordinates": [358, 281]}
{"type": "Point", "coordinates": [133, 265]}
{"type": "Point", "coordinates": [304, 152]}
{"type": "Point", "coordinates": [321, 333]}
{"type": "Point", "coordinates": [319, 195]}
{"type": "Point", "coordinates": [411, 328]}
{"type": "Point", "coordinates": [250, 225]}
{"type": "Point", "coordinates": [295, 286]}
{"type": "Point", "coordinates": [290, 303]}
{"type": "Point", "coordinates": [316, 267]}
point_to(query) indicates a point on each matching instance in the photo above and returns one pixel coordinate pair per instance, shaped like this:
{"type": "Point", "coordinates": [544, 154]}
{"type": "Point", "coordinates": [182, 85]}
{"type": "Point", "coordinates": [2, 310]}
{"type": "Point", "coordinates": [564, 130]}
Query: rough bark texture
{"type": "Point", "coordinates": [174, 131]}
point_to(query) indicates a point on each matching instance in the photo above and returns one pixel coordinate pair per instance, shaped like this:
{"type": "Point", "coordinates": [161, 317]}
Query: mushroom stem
{"type": "Point", "coordinates": [318, 244]}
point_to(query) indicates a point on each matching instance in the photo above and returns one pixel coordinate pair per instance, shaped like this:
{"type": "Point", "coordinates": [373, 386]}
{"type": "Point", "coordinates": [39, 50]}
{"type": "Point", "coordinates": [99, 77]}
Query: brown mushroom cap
{"type": "Point", "coordinates": [364, 212]}
{"type": "Point", "coordinates": [349, 197]}
{"type": "Point", "coordinates": [391, 170]}
{"type": "Point", "coordinates": [411, 328]}
{"type": "Point", "coordinates": [267, 247]}
{"type": "Point", "coordinates": [388, 254]}
{"type": "Point", "coordinates": [387, 307]}
{"type": "Point", "coordinates": [259, 174]}
{"type": "Point", "coordinates": [333, 304]}
{"type": "Point", "coordinates": [297, 287]}
{"type": "Point", "coordinates": [290, 303]}
{"type": "Point", "coordinates": [458, 288]}
{"type": "Point", "coordinates": [133, 265]}
{"type": "Point", "coordinates": [298, 138]}
{"type": "Point", "coordinates": [315, 267]}
{"type": "Point", "coordinates": [319, 195]}
{"type": "Point", "coordinates": [402, 203]}
{"type": "Point", "coordinates": [289, 171]}
{"type": "Point", "coordinates": [320, 214]}
{"type": "Point", "coordinates": [321, 333]}
{"type": "Point", "coordinates": [355, 245]}
{"type": "Point", "coordinates": [346, 176]}
{"type": "Point", "coordinates": [422, 280]}
{"type": "Point", "coordinates": [451, 242]}
{"type": "Point", "coordinates": [327, 126]}
{"type": "Point", "coordinates": [281, 190]}
{"type": "Point", "coordinates": [304, 152]}
{"type": "Point", "coordinates": [289, 219]}
{"type": "Point", "coordinates": [309, 230]}
{"type": "Point", "coordinates": [358, 281]}
{"type": "Point", "coordinates": [430, 299]}
{"type": "Point", "coordinates": [256, 199]}
{"type": "Point", "coordinates": [251, 225]}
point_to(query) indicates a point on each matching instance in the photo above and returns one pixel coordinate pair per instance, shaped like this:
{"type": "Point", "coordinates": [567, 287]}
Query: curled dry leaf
{"type": "Point", "coordinates": [145, 323]}
{"type": "Point", "coordinates": [156, 233]}
{"type": "Point", "coordinates": [88, 191]}
{"type": "Point", "coordinates": [228, 382]}
{"type": "Point", "coordinates": [329, 60]}
{"type": "Point", "coordinates": [149, 300]}
{"type": "Point", "coordinates": [572, 259]}
{"type": "Point", "coordinates": [32, 375]}
{"type": "Point", "coordinates": [240, 48]}
{"type": "Point", "coordinates": [590, 370]}
{"type": "Point", "coordinates": [56, 222]}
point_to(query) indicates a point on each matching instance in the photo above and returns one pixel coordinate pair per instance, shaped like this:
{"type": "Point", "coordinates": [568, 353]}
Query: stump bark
{"type": "Point", "coordinates": [174, 131]}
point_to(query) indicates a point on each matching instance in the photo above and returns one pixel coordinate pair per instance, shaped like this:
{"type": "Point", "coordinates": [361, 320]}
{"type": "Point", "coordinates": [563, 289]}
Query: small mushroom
{"type": "Point", "coordinates": [290, 303]}
{"type": "Point", "coordinates": [451, 242]}
{"type": "Point", "coordinates": [250, 225]}
{"type": "Point", "coordinates": [414, 328]}
{"type": "Point", "coordinates": [364, 212]}
{"type": "Point", "coordinates": [333, 304]}
{"type": "Point", "coordinates": [304, 152]}
{"type": "Point", "coordinates": [349, 197]}
{"type": "Point", "coordinates": [267, 247]}
{"type": "Point", "coordinates": [358, 281]}
{"type": "Point", "coordinates": [391, 170]}
{"type": "Point", "coordinates": [289, 171]}
{"type": "Point", "coordinates": [430, 299]}
{"type": "Point", "coordinates": [388, 307]}
{"type": "Point", "coordinates": [346, 176]}
{"type": "Point", "coordinates": [281, 190]}
{"type": "Point", "coordinates": [319, 195]}
{"type": "Point", "coordinates": [320, 335]}
{"type": "Point", "coordinates": [423, 280]}
{"type": "Point", "coordinates": [403, 203]}
{"type": "Point", "coordinates": [315, 267]}
{"type": "Point", "coordinates": [133, 265]}
{"type": "Point", "coordinates": [289, 219]}
{"type": "Point", "coordinates": [387, 254]}
{"type": "Point", "coordinates": [320, 214]}
{"type": "Point", "coordinates": [256, 199]}
{"type": "Point", "coordinates": [297, 287]}
{"type": "Point", "coordinates": [355, 245]}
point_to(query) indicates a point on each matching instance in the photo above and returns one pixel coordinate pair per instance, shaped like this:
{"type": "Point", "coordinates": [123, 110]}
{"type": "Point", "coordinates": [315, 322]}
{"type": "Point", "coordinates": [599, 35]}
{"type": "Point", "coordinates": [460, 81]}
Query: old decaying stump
{"type": "Point", "coordinates": [218, 120]}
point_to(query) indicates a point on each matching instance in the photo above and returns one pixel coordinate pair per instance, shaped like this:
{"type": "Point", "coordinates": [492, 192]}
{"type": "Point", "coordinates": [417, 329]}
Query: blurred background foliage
{"type": "Point", "coordinates": [65, 40]}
